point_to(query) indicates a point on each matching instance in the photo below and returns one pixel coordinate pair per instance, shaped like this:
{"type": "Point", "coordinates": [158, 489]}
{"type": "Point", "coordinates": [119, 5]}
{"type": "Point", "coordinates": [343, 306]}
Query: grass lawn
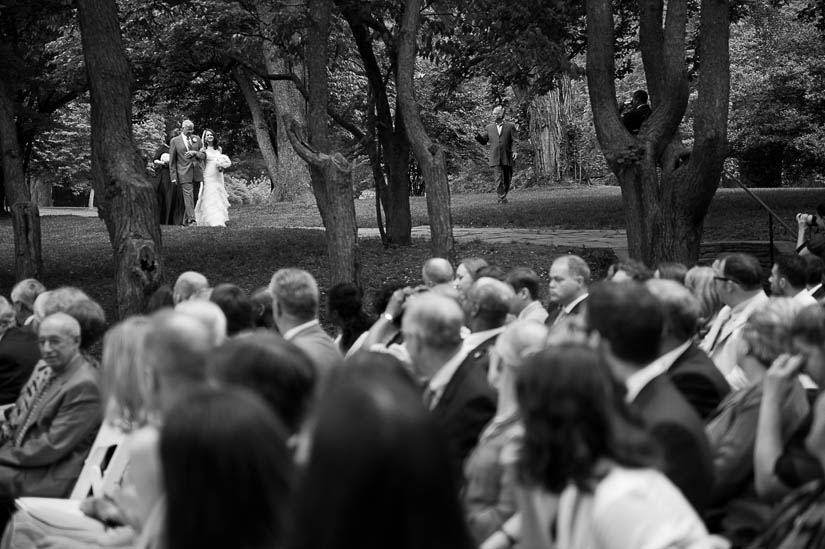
{"type": "Point", "coordinates": [733, 214]}
{"type": "Point", "coordinates": [77, 251]}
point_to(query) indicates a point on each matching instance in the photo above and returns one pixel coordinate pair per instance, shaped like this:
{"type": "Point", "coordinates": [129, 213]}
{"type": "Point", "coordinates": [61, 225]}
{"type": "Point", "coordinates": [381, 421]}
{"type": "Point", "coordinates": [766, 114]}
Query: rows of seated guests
{"type": "Point", "coordinates": [666, 407]}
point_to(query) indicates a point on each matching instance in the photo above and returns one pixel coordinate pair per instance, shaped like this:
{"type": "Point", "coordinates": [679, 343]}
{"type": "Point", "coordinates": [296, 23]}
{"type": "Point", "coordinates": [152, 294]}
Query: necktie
{"type": "Point", "coordinates": [725, 317]}
{"type": "Point", "coordinates": [429, 398]}
{"type": "Point", "coordinates": [21, 415]}
{"type": "Point", "coordinates": [561, 316]}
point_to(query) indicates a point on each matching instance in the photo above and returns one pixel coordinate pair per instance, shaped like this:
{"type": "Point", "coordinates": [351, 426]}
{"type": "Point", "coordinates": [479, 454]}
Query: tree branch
{"type": "Point", "coordinates": [611, 133]}
{"type": "Point", "coordinates": [339, 119]}
{"type": "Point", "coordinates": [710, 122]}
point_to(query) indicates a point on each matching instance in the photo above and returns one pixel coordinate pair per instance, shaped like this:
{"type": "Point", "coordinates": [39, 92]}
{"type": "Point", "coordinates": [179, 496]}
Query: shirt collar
{"type": "Point", "coordinates": [292, 332]}
{"type": "Point", "coordinates": [445, 374]}
{"type": "Point", "coordinates": [749, 304]}
{"type": "Point", "coordinates": [572, 305]}
{"type": "Point", "coordinates": [667, 360]}
{"type": "Point", "coordinates": [534, 305]}
{"type": "Point", "coordinates": [640, 378]}
{"type": "Point", "coordinates": [815, 289]}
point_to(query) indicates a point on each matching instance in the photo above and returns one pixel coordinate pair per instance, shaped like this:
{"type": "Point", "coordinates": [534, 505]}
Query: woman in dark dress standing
{"type": "Point", "coordinates": [169, 196]}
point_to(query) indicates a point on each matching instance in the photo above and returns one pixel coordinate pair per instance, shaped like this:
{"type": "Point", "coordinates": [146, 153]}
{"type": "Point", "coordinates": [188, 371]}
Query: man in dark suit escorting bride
{"type": "Point", "coordinates": [185, 167]}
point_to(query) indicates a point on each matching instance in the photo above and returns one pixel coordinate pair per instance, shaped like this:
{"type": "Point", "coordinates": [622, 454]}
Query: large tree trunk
{"type": "Point", "coordinates": [261, 126]}
{"type": "Point", "coordinates": [430, 155]}
{"type": "Point", "coordinates": [549, 121]}
{"type": "Point", "coordinates": [396, 150]}
{"type": "Point", "coordinates": [666, 189]}
{"type": "Point", "coordinates": [293, 173]}
{"type": "Point", "coordinates": [126, 197]}
{"type": "Point", "coordinates": [28, 259]}
{"type": "Point", "coordinates": [330, 173]}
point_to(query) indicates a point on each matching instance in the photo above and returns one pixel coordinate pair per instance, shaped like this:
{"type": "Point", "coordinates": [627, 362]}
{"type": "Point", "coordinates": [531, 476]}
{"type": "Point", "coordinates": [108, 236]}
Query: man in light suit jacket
{"type": "Point", "coordinates": [185, 168]}
{"type": "Point", "coordinates": [46, 435]}
{"type": "Point", "coordinates": [739, 283]}
{"type": "Point", "coordinates": [501, 136]}
{"type": "Point", "coordinates": [295, 299]}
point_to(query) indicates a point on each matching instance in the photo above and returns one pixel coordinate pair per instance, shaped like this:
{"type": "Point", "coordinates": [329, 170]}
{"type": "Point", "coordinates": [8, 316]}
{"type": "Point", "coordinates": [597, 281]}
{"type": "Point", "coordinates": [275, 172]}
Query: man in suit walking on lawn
{"type": "Point", "coordinates": [185, 168]}
{"type": "Point", "coordinates": [501, 135]}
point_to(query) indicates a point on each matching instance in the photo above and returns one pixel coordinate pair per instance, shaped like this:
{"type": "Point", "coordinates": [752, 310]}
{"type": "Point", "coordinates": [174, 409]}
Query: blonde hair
{"type": "Point", "coordinates": [768, 330]}
{"type": "Point", "coordinates": [700, 281]}
{"type": "Point", "coordinates": [124, 377]}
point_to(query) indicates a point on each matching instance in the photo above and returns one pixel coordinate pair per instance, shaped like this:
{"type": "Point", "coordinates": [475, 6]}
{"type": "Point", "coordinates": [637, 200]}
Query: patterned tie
{"type": "Point", "coordinates": [21, 413]}
{"type": "Point", "coordinates": [429, 398]}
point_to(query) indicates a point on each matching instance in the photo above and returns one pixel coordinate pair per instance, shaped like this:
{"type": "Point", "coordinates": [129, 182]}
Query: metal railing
{"type": "Point", "coordinates": [772, 215]}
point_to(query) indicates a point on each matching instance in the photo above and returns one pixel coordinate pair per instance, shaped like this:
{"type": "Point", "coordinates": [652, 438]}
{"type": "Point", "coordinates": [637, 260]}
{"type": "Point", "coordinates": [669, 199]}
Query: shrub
{"type": "Point", "coordinates": [244, 191]}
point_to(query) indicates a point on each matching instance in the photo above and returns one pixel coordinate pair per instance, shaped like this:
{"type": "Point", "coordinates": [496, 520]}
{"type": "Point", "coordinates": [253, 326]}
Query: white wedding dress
{"type": "Point", "coordinates": [212, 209]}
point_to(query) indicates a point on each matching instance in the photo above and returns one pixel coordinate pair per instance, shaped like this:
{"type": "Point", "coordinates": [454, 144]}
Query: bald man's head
{"type": "Point", "coordinates": [59, 340]}
{"type": "Point", "coordinates": [187, 285]}
{"type": "Point", "coordinates": [437, 270]}
{"type": "Point", "coordinates": [435, 320]}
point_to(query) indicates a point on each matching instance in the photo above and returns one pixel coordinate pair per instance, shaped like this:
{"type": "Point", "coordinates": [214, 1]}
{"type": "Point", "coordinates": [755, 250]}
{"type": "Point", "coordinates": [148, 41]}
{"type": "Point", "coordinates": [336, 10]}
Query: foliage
{"type": "Point", "coordinates": [61, 155]}
{"type": "Point", "coordinates": [244, 191]}
{"type": "Point", "coordinates": [778, 89]}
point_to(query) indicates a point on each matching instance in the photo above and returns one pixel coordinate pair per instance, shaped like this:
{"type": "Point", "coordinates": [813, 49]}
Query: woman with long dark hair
{"type": "Point", "coordinates": [378, 474]}
{"type": "Point", "coordinates": [581, 444]}
{"type": "Point", "coordinates": [226, 472]}
{"type": "Point", "coordinates": [345, 306]}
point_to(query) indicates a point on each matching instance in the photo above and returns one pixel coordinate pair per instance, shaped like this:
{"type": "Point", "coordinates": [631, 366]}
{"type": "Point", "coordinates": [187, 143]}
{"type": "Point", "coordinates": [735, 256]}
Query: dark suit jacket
{"type": "Point", "coordinates": [699, 380]}
{"type": "Point", "coordinates": [55, 445]}
{"type": "Point", "coordinates": [182, 169]}
{"type": "Point", "coordinates": [18, 355]}
{"type": "Point", "coordinates": [688, 462]}
{"type": "Point", "coordinates": [634, 119]}
{"type": "Point", "coordinates": [556, 316]}
{"type": "Point", "coordinates": [320, 348]}
{"type": "Point", "coordinates": [466, 406]}
{"type": "Point", "coordinates": [501, 146]}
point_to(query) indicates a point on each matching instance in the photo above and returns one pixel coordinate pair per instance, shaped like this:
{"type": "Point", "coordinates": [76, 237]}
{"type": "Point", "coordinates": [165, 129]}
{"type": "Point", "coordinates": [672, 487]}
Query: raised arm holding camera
{"type": "Point", "coordinates": [811, 236]}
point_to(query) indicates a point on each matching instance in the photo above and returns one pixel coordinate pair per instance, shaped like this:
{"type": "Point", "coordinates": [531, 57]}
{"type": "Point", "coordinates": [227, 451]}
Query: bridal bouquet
{"type": "Point", "coordinates": [223, 162]}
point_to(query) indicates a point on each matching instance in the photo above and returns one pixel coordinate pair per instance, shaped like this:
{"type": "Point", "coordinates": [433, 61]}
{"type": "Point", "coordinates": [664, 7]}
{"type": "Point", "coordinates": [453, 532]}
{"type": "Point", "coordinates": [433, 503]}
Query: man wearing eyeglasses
{"type": "Point", "coordinates": [739, 284]}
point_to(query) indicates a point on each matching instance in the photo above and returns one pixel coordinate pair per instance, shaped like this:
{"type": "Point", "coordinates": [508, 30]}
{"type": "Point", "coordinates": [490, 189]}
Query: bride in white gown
{"type": "Point", "coordinates": [212, 209]}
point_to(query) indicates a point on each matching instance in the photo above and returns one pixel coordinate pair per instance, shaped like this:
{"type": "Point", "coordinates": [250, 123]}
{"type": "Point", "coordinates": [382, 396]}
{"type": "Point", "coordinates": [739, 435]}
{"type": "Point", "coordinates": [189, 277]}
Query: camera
{"type": "Point", "coordinates": [808, 219]}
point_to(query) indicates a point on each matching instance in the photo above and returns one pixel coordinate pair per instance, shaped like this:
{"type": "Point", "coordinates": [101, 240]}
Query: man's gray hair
{"type": "Point", "coordinates": [576, 266]}
{"type": "Point", "coordinates": [187, 285]}
{"type": "Point", "coordinates": [26, 291]}
{"type": "Point", "coordinates": [682, 309]}
{"type": "Point", "coordinates": [296, 292]}
{"type": "Point", "coordinates": [59, 300]}
{"type": "Point", "coordinates": [436, 319]}
{"type": "Point", "coordinates": [491, 299]}
{"type": "Point", "coordinates": [437, 270]}
{"type": "Point", "coordinates": [7, 317]}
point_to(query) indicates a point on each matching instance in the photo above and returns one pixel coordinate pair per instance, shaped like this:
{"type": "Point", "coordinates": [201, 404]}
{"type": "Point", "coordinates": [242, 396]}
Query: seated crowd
{"type": "Point", "coordinates": [666, 407]}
